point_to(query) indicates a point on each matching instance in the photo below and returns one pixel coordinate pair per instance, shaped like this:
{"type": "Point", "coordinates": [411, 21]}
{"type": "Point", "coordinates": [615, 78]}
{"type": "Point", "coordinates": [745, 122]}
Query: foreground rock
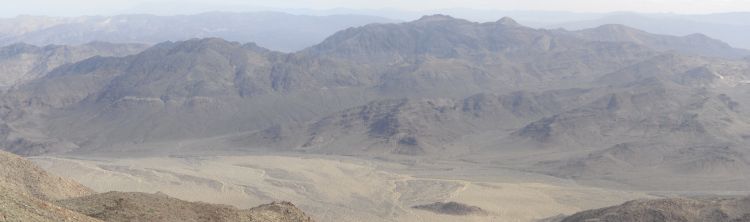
{"type": "Point", "coordinates": [119, 206]}
{"type": "Point", "coordinates": [25, 190]}
{"type": "Point", "coordinates": [23, 177]}
{"type": "Point", "coordinates": [20, 207]}
{"type": "Point", "coordinates": [28, 193]}
{"type": "Point", "coordinates": [667, 210]}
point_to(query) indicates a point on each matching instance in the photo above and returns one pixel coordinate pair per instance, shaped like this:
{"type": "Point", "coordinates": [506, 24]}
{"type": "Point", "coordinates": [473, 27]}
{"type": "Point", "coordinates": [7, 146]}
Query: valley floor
{"type": "Point", "coordinates": [337, 188]}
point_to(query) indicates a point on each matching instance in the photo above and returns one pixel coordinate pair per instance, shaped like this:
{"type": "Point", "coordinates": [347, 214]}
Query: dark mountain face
{"type": "Point", "coordinates": [436, 87]}
{"type": "Point", "coordinates": [415, 126]}
{"type": "Point", "coordinates": [436, 52]}
{"type": "Point", "coordinates": [640, 111]}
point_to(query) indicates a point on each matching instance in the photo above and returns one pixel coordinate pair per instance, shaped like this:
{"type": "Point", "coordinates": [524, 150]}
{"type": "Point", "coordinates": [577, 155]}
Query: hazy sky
{"type": "Point", "coordinates": [166, 7]}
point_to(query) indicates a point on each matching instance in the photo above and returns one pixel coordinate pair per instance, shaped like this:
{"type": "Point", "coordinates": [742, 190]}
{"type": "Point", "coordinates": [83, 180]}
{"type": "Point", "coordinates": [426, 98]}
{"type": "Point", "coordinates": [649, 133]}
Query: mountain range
{"type": "Point", "coordinates": [291, 30]}
{"type": "Point", "coordinates": [728, 27]}
{"type": "Point", "coordinates": [606, 105]}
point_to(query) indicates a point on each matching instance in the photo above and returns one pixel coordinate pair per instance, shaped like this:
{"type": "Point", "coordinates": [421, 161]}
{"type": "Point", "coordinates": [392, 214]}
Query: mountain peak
{"type": "Point", "coordinates": [508, 21]}
{"type": "Point", "coordinates": [436, 17]}
{"type": "Point", "coordinates": [197, 45]}
{"type": "Point", "coordinates": [615, 27]}
{"type": "Point", "coordinates": [18, 47]}
{"type": "Point", "coordinates": [700, 37]}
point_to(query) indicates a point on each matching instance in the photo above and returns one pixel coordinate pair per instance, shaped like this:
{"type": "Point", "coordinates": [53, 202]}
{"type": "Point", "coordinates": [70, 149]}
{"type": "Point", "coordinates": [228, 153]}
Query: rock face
{"type": "Point", "coordinates": [117, 206]}
{"type": "Point", "coordinates": [410, 126]}
{"type": "Point", "coordinates": [671, 210]}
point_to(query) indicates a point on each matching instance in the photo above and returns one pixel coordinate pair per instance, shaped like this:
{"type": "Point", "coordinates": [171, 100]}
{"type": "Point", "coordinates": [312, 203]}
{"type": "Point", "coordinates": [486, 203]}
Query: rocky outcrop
{"type": "Point", "coordinates": [451, 208]}
{"type": "Point", "coordinates": [24, 177]}
{"type": "Point", "coordinates": [118, 206]}
{"type": "Point", "coordinates": [671, 210]}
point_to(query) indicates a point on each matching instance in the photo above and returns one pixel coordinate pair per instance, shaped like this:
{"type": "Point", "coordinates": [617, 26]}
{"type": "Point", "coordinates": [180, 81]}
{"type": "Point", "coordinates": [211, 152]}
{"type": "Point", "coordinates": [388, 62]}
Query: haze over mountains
{"type": "Point", "coordinates": [295, 29]}
{"type": "Point", "coordinates": [729, 27]}
{"type": "Point", "coordinates": [278, 31]}
{"type": "Point", "coordinates": [438, 86]}
{"type": "Point", "coordinates": [610, 106]}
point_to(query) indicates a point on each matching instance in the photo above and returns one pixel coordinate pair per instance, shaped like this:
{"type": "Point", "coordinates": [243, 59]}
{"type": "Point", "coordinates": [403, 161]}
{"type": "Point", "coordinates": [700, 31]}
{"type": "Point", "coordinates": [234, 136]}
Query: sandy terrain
{"type": "Point", "coordinates": [334, 189]}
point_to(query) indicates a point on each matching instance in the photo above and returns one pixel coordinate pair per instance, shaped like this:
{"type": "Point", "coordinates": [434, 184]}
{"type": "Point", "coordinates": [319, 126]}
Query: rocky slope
{"type": "Point", "coordinates": [25, 192]}
{"type": "Point", "coordinates": [671, 210]}
{"type": "Point", "coordinates": [23, 177]}
{"type": "Point", "coordinates": [20, 207]}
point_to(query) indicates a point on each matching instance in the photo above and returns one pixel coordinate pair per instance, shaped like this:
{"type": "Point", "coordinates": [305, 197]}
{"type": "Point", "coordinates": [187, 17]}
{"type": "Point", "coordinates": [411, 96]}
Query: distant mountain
{"type": "Point", "coordinates": [726, 27]}
{"type": "Point", "coordinates": [705, 209]}
{"type": "Point", "coordinates": [695, 44]}
{"type": "Point", "coordinates": [439, 52]}
{"type": "Point", "coordinates": [22, 62]}
{"type": "Point", "coordinates": [277, 31]}
{"type": "Point", "coordinates": [576, 104]}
